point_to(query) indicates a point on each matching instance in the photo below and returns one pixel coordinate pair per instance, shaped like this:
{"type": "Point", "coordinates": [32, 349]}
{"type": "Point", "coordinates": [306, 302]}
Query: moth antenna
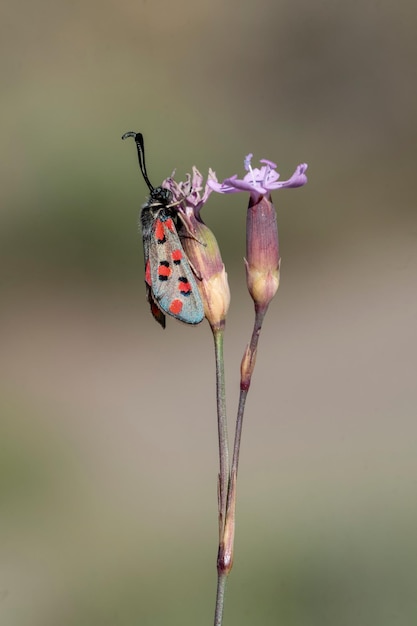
{"type": "Point", "coordinates": [138, 137]}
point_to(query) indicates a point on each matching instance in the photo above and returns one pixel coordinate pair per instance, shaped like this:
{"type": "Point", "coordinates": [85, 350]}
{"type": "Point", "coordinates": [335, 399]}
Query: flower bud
{"type": "Point", "coordinates": [203, 252]}
{"type": "Point", "coordinates": [262, 250]}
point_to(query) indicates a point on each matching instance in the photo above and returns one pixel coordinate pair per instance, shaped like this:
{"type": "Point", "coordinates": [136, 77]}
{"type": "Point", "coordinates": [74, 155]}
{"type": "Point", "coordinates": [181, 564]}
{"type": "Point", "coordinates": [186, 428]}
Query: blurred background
{"type": "Point", "coordinates": [108, 473]}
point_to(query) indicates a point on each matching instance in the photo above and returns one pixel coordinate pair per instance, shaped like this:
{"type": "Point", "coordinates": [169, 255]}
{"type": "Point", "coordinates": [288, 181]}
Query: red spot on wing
{"type": "Point", "coordinates": [185, 288]}
{"type": "Point", "coordinates": [170, 225]}
{"type": "Point", "coordinates": [148, 278]}
{"type": "Point", "coordinates": [159, 231]}
{"type": "Point", "coordinates": [175, 307]}
{"type": "Point", "coordinates": [176, 255]}
{"type": "Point", "coordinates": [164, 271]}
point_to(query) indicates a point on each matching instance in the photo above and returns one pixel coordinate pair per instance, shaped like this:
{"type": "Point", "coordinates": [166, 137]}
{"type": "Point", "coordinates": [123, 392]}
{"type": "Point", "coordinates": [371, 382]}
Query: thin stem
{"type": "Point", "coordinates": [223, 485]}
{"type": "Point", "coordinates": [227, 481]}
{"type": "Point", "coordinates": [221, 586]}
{"type": "Point", "coordinates": [222, 427]}
{"type": "Point", "coordinates": [245, 381]}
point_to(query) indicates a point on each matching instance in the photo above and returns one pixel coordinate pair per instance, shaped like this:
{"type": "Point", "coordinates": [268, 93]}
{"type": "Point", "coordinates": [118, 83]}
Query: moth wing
{"type": "Point", "coordinates": [173, 285]}
{"type": "Point", "coordinates": [155, 310]}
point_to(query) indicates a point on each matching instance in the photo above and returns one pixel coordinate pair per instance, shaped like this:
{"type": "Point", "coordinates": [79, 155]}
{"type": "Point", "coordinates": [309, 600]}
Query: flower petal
{"type": "Point", "coordinates": [298, 179]}
{"type": "Point", "coordinates": [259, 181]}
{"type": "Point", "coordinates": [188, 192]}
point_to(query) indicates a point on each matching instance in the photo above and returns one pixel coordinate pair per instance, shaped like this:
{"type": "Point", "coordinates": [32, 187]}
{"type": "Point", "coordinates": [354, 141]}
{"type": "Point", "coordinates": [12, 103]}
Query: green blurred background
{"type": "Point", "coordinates": [108, 454]}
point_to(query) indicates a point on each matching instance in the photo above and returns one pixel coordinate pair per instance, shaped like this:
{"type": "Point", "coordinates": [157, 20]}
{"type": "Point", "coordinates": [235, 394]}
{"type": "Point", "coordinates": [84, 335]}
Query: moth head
{"type": "Point", "coordinates": [161, 195]}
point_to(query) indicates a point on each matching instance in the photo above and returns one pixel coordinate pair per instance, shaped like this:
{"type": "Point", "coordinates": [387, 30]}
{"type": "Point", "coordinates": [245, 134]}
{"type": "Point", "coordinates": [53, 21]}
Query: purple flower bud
{"type": "Point", "coordinates": [262, 250]}
{"type": "Point", "coordinates": [262, 246]}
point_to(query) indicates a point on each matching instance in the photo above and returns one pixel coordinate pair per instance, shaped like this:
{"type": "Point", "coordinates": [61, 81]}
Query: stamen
{"type": "Point", "coordinates": [248, 167]}
{"type": "Point", "coordinates": [266, 174]}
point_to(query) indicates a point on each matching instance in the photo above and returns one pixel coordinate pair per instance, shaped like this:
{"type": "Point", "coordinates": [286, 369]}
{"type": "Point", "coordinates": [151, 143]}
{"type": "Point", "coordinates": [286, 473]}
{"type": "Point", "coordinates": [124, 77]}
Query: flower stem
{"type": "Point", "coordinates": [223, 483]}
{"type": "Point", "coordinates": [221, 586]}
{"type": "Point", "coordinates": [248, 365]}
{"type": "Point", "coordinates": [218, 335]}
{"type": "Point", "coordinates": [227, 481]}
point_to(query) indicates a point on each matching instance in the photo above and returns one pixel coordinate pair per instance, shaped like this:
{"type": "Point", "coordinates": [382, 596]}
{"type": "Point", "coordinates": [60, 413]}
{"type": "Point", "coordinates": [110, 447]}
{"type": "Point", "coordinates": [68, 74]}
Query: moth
{"type": "Point", "coordinates": [171, 286]}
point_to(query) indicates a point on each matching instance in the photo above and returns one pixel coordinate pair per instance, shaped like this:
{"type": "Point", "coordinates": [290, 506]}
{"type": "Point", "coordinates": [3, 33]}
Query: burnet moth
{"type": "Point", "coordinates": [171, 287]}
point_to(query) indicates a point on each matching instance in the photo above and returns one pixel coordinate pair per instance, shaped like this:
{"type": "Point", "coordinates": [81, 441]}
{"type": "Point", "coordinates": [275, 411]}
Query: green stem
{"type": "Point", "coordinates": [222, 427]}
{"type": "Point", "coordinates": [223, 485]}
{"type": "Point", "coordinates": [245, 384]}
{"type": "Point", "coordinates": [221, 586]}
{"type": "Point", "coordinates": [227, 481]}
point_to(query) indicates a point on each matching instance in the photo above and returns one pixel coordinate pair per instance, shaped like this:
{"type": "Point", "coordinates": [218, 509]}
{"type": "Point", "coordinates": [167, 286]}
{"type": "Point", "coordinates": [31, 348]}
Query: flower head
{"type": "Point", "coordinates": [188, 192]}
{"type": "Point", "coordinates": [260, 181]}
{"type": "Point", "coordinates": [262, 245]}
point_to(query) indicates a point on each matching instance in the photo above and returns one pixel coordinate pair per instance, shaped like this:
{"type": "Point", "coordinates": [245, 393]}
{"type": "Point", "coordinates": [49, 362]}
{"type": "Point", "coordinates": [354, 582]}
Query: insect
{"type": "Point", "coordinates": [171, 287]}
